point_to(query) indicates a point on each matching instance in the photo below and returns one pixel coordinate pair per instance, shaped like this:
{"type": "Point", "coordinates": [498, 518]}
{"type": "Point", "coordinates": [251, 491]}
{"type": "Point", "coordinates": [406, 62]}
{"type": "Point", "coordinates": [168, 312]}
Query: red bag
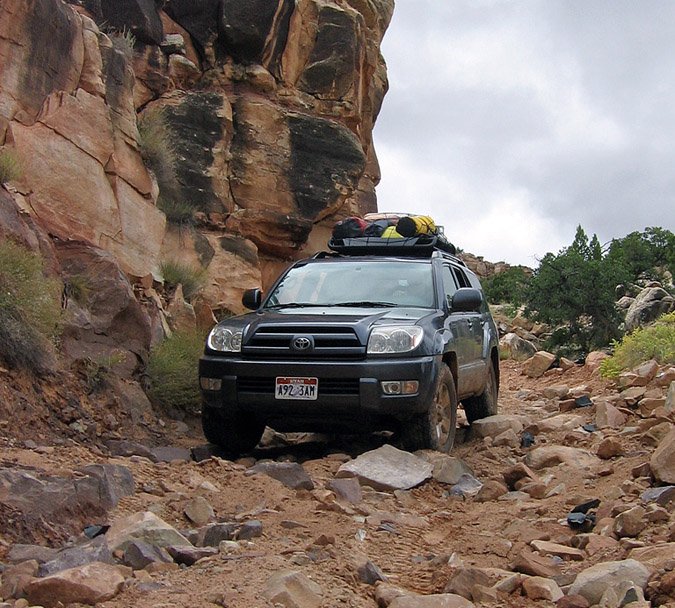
{"type": "Point", "coordinates": [349, 228]}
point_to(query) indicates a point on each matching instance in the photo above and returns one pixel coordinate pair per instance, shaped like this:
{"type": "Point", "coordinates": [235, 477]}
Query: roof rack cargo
{"type": "Point", "coordinates": [422, 245]}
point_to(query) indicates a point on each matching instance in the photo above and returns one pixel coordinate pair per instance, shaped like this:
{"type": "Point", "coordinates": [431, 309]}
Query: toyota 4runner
{"type": "Point", "coordinates": [379, 336]}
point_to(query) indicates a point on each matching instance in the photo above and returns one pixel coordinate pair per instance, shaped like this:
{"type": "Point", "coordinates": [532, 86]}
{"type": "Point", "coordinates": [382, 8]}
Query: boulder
{"type": "Point", "coordinates": [670, 398]}
{"type": "Point", "coordinates": [90, 584]}
{"type": "Point", "coordinates": [290, 474]}
{"type": "Point", "coordinates": [441, 600]}
{"type": "Point", "coordinates": [608, 416]}
{"type": "Point", "coordinates": [656, 557]}
{"type": "Point", "coordinates": [548, 456]}
{"type": "Point", "coordinates": [662, 461]}
{"type": "Point", "coordinates": [144, 526]}
{"type": "Point", "coordinates": [594, 359]}
{"type": "Point", "coordinates": [448, 469]}
{"type": "Point", "coordinates": [199, 511]}
{"type": "Point", "coordinates": [388, 468]}
{"type": "Point", "coordinates": [538, 364]}
{"type": "Point", "coordinates": [650, 303]}
{"type": "Point", "coordinates": [496, 425]}
{"type": "Point", "coordinates": [539, 588]}
{"type": "Point", "coordinates": [293, 589]}
{"type": "Point", "coordinates": [630, 522]}
{"type": "Point", "coordinates": [96, 550]}
{"type": "Point", "coordinates": [514, 347]}
{"type": "Point", "coordinates": [592, 582]}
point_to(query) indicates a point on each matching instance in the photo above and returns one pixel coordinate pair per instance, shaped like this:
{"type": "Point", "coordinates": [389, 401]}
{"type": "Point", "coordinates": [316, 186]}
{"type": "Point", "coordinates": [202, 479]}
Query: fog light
{"type": "Point", "coordinates": [210, 384]}
{"type": "Point", "coordinates": [391, 387]}
{"type": "Point", "coordinates": [400, 387]}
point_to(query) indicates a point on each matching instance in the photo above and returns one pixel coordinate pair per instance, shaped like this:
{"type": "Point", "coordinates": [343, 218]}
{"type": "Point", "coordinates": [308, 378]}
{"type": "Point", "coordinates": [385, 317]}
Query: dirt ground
{"type": "Point", "coordinates": [415, 537]}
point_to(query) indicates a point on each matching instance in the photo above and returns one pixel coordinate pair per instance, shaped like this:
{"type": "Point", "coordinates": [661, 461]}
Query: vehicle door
{"type": "Point", "coordinates": [460, 339]}
{"type": "Point", "coordinates": [475, 364]}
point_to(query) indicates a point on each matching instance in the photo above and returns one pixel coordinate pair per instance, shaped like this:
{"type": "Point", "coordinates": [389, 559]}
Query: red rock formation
{"type": "Point", "coordinates": [271, 103]}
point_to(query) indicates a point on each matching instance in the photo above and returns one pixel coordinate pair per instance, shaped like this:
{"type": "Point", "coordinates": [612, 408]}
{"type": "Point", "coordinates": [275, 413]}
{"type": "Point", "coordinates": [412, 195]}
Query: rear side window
{"type": "Point", "coordinates": [461, 278]}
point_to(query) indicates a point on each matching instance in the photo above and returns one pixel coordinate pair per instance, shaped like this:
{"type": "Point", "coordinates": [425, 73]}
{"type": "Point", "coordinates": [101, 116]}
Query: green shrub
{"type": "Point", "coordinates": [178, 273]}
{"type": "Point", "coordinates": [177, 211]}
{"type": "Point", "coordinates": [155, 140]}
{"type": "Point", "coordinates": [123, 41]}
{"type": "Point", "coordinates": [10, 169]}
{"type": "Point", "coordinates": [656, 341]}
{"type": "Point", "coordinates": [172, 371]}
{"type": "Point", "coordinates": [507, 287]}
{"type": "Point", "coordinates": [30, 308]}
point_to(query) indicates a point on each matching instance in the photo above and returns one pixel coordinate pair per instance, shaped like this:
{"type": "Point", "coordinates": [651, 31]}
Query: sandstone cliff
{"type": "Point", "coordinates": [272, 104]}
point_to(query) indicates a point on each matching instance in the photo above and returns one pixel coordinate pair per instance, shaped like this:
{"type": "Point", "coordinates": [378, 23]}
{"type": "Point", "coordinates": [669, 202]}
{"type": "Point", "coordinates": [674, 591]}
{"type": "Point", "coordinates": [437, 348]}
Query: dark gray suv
{"type": "Point", "coordinates": [392, 338]}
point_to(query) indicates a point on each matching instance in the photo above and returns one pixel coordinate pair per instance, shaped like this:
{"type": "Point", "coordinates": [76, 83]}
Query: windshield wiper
{"type": "Point", "coordinates": [295, 305]}
{"type": "Point", "coordinates": [367, 304]}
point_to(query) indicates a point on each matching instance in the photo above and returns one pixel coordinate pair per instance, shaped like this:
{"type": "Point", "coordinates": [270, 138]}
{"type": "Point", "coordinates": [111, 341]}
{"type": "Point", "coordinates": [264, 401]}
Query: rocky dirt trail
{"type": "Point", "coordinates": [323, 522]}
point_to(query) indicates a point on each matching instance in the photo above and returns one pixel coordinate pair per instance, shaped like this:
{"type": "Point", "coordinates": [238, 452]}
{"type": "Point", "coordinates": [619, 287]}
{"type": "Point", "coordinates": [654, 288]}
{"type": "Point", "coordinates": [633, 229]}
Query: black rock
{"type": "Point", "coordinates": [583, 401]}
{"type": "Point", "coordinates": [527, 440]}
{"type": "Point", "coordinates": [212, 535]}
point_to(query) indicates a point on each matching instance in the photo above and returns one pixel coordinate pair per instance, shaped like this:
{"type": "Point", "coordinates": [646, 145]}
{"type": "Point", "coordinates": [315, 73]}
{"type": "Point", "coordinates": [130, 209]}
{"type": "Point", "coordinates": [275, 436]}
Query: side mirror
{"type": "Point", "coordinates": [252, 299]}
{"type": "Point", "coordinates": [467, 299]}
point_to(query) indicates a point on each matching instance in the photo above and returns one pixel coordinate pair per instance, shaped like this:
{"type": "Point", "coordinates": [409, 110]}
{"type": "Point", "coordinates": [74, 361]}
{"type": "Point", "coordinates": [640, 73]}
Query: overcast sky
{"type": "Point", "coordinates": [513, 121]}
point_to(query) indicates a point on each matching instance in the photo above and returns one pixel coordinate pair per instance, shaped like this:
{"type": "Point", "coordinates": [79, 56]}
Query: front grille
{"type": "Point", "coordinates": [327, 386]}
{"type": "Point", "coordinates": [274, 341]}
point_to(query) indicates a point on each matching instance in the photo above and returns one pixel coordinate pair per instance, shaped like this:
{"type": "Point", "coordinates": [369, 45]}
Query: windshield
{"type": "Point", "coordinates": [357, 283]}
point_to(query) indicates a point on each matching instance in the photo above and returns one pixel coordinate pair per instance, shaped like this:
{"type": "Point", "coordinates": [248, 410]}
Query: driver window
{"type": "Point", "coordinates": [449, 285]}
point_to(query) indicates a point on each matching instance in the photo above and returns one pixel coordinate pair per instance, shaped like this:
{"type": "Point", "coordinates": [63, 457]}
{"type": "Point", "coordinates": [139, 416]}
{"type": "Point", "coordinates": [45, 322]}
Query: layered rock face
{"type": "Point", "coordinates": [270, 103]}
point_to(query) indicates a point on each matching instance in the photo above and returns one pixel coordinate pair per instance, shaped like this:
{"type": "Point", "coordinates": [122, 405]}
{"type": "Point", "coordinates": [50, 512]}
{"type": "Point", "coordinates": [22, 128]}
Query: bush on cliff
{"type": "Point", "coordinates": [178, 273]}
{"type": "Point", "coordinates": [10, 169]}
{"type": "Point", "coordinates": [30, 309]}
{"type": "Point", "coordinates": [173, 375]}
{"type": "Point", "coordinates": [656, 341]}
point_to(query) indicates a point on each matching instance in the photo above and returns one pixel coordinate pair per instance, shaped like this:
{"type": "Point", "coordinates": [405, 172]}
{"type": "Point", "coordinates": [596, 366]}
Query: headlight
{"type": "Point", "coordinates": [385, 340]}
{"type": "Point", "coordinates": [225, 339]}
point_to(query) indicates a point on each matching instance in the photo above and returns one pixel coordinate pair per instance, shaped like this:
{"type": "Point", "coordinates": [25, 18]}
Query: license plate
{"type": "Point", "coordinates": [296, 388]}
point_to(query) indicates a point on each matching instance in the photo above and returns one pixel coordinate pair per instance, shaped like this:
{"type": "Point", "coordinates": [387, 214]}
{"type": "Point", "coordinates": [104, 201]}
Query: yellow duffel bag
{"type": "Point", "coordinates": [414, 225]}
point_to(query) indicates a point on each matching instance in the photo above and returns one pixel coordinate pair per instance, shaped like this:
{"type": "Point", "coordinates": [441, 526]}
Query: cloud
{"type": "Point", "coordinates": [530, 117]}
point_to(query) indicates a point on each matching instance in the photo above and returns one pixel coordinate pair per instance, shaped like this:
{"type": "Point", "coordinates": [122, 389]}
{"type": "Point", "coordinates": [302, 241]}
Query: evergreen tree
{"type": "Point", "coordinates": [576, 289]}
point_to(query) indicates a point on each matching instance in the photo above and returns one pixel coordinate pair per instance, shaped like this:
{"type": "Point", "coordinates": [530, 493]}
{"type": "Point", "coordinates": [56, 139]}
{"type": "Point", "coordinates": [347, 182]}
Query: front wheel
{"type": "Point", "coordinates": [234, 433]}
{"type": "Point", "coordinates": [435, 428]}
{"type": "Point", "coordinates": [485, 404]}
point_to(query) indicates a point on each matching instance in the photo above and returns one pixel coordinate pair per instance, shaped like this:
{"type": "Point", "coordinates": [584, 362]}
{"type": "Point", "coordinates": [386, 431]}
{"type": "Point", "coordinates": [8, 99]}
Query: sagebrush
{"type": "Point", "coordinates": [179, 273]}
{"type": "Point", "coordinates": [656, 341]}
{"type": "Point", "coordinates": [172, 372]}
{"type": "Point", "coordinates": [30, 308]}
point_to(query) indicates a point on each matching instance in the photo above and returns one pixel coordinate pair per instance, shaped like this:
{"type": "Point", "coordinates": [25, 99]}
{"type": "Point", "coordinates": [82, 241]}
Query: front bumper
{"type": "Point", "coordinates": [349, 392]}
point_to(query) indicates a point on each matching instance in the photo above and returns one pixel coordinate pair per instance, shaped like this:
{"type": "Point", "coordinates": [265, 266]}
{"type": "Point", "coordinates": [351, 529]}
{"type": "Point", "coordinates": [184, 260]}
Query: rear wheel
{"type": "Point", "coordinates": [485, 404]}
{"type": "Point", "coordinates": [435, 428]}
{"type": "Point", "coordinates": [234, 433]}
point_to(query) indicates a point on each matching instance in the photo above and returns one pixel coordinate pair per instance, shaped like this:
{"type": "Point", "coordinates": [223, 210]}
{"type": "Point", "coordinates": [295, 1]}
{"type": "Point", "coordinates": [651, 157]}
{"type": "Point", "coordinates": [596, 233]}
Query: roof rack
{"type": "Point", "coordinates": [422, 246]}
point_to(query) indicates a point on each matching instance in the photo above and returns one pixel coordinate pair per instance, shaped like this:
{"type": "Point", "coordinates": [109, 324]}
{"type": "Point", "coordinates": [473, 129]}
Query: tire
{"type": "Point", "coordinates": [233, 433]}
{"type": "Point", "coordinates": [485, 404]}
{"type": "Point", "coordinates": [435, 428]}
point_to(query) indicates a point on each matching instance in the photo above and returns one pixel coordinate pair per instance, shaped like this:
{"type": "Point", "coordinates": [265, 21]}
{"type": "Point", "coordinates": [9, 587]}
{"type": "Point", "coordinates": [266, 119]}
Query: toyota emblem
{"type": "Point", "coordinates": [301, 343]}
